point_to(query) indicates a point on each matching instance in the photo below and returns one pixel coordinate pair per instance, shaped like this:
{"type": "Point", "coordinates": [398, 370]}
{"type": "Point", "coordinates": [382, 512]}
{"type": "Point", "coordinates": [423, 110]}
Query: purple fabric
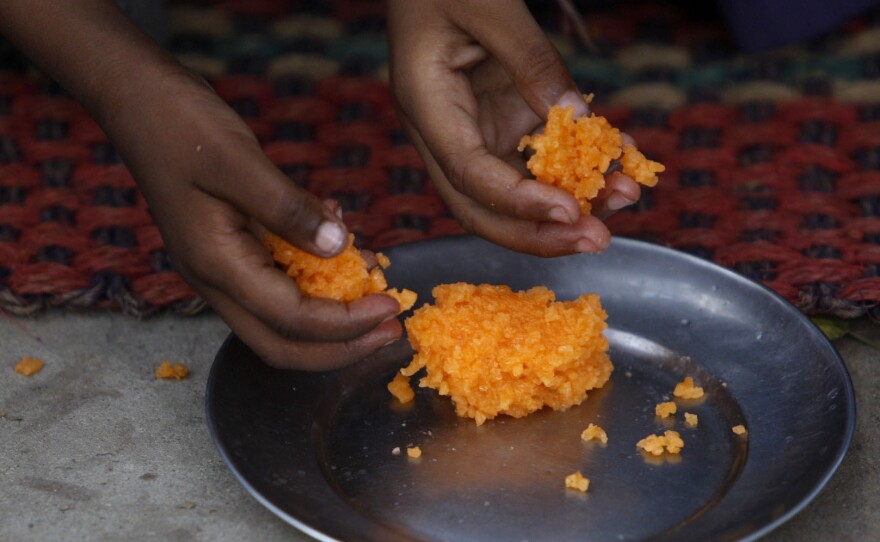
{"type": "Point", "coordinates": [758, 24]}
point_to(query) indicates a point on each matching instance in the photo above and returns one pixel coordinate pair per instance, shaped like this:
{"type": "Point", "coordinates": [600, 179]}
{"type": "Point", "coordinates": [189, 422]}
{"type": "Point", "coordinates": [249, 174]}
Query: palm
{"type": "Point", "coordinates": [503, 116]}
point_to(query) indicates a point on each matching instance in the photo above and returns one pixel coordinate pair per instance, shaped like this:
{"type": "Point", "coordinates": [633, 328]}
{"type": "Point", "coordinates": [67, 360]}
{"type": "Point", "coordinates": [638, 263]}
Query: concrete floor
{"type": "Point", "coordinates": [95, 448]}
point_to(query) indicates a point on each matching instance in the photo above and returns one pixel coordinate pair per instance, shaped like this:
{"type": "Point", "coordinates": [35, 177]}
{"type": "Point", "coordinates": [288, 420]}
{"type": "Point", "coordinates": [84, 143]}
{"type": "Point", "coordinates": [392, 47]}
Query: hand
{"type": "Point", "coordinates": [208, 182]}
{"type": "Point", "coordinates": [470, 79]}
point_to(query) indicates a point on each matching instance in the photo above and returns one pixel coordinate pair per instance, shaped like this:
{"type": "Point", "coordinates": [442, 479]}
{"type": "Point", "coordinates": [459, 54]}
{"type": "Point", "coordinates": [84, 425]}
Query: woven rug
{"type": "Point", "coordinates": [773, 160]}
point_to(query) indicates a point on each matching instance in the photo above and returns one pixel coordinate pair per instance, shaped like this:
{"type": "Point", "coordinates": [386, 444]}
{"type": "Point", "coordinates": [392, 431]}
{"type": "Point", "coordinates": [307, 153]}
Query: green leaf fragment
{"type": "Point", "coordinates": [833, 327]}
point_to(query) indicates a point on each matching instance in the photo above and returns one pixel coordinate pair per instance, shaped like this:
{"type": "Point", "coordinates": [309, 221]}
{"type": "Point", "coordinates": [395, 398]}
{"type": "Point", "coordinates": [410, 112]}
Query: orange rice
{"type": "Point", "coordinates": [400, 389]}
{"type": "Point", "coordinates": [687, 390]}
{"type": "Point", "coordinates": [29, 366]}
{"type": "Point", "coordinates": [740, 430]}
{"type": "Point", "coordinates": [664, 410]}
{"type": "Point", "coordinates": [574, 154]}
{"type": "Point", "coordinates": [168, 370]}
{"type": "Point", "coordinates": [670, 442]}
{"type": "Point", "coordinates": [494, 351]}
{"type": "Point", "coordinates": [414, 452]}
{"type": "Point", "coordinates": [594, 432]}
{"type": "Point", "coordinates": [691, 419]}
{"type": "Point", "coordinates": [345, 277]}
{"type": "Point", "coordinates": [577, 481]}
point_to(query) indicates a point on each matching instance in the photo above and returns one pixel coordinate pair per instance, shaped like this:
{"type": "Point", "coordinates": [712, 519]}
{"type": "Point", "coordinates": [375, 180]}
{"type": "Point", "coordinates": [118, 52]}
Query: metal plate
{"type": "Point", "coordinates": [316, 449]}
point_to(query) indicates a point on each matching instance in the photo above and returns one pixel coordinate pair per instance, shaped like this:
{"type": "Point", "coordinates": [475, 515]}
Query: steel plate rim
{"type": "Point", "coordinates": [617, 240]}
{"type": "Point", "coordinates": [215, 437]}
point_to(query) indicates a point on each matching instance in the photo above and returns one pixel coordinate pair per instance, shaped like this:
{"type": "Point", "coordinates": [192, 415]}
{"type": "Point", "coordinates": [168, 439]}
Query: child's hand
{"type": "Point", "coordinates": [208, 181]}
{"type": "Point", "coordinates": [470, 79]}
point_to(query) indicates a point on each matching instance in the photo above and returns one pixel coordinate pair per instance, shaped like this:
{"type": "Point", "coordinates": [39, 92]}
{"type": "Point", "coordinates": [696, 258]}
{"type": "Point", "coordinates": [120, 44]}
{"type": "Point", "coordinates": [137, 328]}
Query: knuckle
{"type": "Point", "coordinates": [538, 62]}
{"type": "Point", "coordinates": [460, 172]}
{"type": "Point", "coordinates": [290, 209]}
{"type": "Point", "coordinates": [289, 328]}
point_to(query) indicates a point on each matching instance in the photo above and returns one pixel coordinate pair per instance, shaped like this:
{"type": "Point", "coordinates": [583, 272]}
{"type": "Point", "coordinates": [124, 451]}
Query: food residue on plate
{"type": "Point", "coordinates": [395, 450]}
{"type": "Point", "coordinates": [344, 277]}
{"type": "Point", "coordinates": [670, 442]}
{"type": "Point", "coordinates": [664, 410]}
{"type": "Point", "coordinates": [687, 390]}
{"type": "Point", "coordinates": [414, 452]}
{"type": "Point", "coordinates": [168, 370]}
{"type": "Point", "coordinates": [577, 481]}
{"type": "Point", "coordinates": [574, 154]}
{"type": "Point", "coordinates": [400, 388]}
{"type": "Point", "coordinates": [740, 430]}
{"type": "Point", "coordinates": [29, 366]}
{"type": "Point", "coordinates": [495, 351]}
{"type": "Point", "coordinates": [691, 419]}
{"type": "Point", "coordinates": [594, 432]}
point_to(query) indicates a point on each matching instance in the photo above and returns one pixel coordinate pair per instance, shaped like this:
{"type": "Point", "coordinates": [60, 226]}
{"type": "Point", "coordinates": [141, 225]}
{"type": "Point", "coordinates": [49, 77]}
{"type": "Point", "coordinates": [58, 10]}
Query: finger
{"type": "Point", "coordinates": [241, 267]}
{"type": "Point", "coordinates": [587, 234]}
{"type": "Point", "coordinates": [451, 136]}
{"type": "Point", "coordinates": [251, 183]}
{"type": "Point", "coordinates": [283, 353]}
{"type": "Point", "coordinates": [334, 207]}
{"type": "Point", "coordinates": [511, 34]}
{"type": "Point", "coordinates": [620, 191]}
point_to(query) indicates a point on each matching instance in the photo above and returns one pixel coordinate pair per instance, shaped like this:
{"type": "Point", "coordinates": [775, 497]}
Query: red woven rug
{"type": "Point", "coordinates": [773, 161]}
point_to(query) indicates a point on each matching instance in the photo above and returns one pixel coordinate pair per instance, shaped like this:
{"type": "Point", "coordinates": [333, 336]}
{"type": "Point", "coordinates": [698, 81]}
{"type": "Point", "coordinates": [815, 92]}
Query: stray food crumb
{"type": "Point", "coordinates": [495, 351]}
{"type": "Point", "coordinates": [29, 366]}
{"type": "Point", "coordinates": [594, 432]}
{"type": "Point", "coordinates": [414, 452]}
{"type": "Point", "coordinates": [396, 450]}
{"type": "Point", "coordinates": [187, 505]}
{"type": "Point", "coordinates": [740, 430]}
{"type": "Point", "coordinates": [574, 154]}
{"type": "Point", "coordinates": [664, 410]}
{"type": "Point", "coordinates": [686, 389]}
{"type": "Point", "coordinates": [400, 388]}
{"type": "Point", "coordinates": [344, 277]}
{"type": "Point", "coordinates": [669, 442]}
{"type": "Point", "coordinates": [168, 370]}
{"type": "Point", "coordinates": [577, 481]}
{"type": "Point", "coordinates": [691, 419]}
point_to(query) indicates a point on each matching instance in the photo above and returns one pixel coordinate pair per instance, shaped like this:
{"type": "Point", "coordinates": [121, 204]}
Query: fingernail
{"type": "Point", "coordinates": [389, 343]}
{"type": "Point", "coordinates": [575, 100]}
{"type": "Point", "coordinates": [330, 237]}
{"type": "Point", "coordinates": [617, 201]}
{"type": "Point", "coordinates": [585, 245]}
{"type": "Point", "coordinates": [558, 214]}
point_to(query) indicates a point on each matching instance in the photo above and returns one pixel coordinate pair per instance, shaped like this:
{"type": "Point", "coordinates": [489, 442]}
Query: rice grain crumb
{"type": "Point", "coordinates": [577, 481]}
{"type": "Point", "coordinates": [594, 432]}
{"type": "Point", "coordinates": [664, 410]}
{"type": "Point", "coordinates": [687, 390]}
{"type": "Point", "coordinates": [400, 388]}
{"type": "Point", "coordinates": [670, 442]}
{"type": "Point", "coordinates": [29, 366]}
{"type": "Point", "coordinates": [168, 370]}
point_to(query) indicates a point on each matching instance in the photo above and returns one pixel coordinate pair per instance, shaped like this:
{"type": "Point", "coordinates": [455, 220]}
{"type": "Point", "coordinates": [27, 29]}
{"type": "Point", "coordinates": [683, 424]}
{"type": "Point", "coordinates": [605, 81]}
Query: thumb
{"type": "Point", "coordinates": [510, 33]}
{"type": "Point", "coordinates": [276, 202]}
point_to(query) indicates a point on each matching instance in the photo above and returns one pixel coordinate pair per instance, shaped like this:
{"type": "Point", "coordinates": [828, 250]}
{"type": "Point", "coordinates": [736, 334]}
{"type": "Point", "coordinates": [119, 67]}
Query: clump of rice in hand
{"type": "Point", "coordinates": [344, 277]}
{"type": "Point", "coordinates": [574, 155]}
{"type": "Point", "coordinates": [495, 351]}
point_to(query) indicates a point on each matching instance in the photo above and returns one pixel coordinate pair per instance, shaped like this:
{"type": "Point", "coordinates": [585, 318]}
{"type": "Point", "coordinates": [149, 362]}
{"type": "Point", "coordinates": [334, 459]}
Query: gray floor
{"type": "Point", "coordinates": [95, 448]}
